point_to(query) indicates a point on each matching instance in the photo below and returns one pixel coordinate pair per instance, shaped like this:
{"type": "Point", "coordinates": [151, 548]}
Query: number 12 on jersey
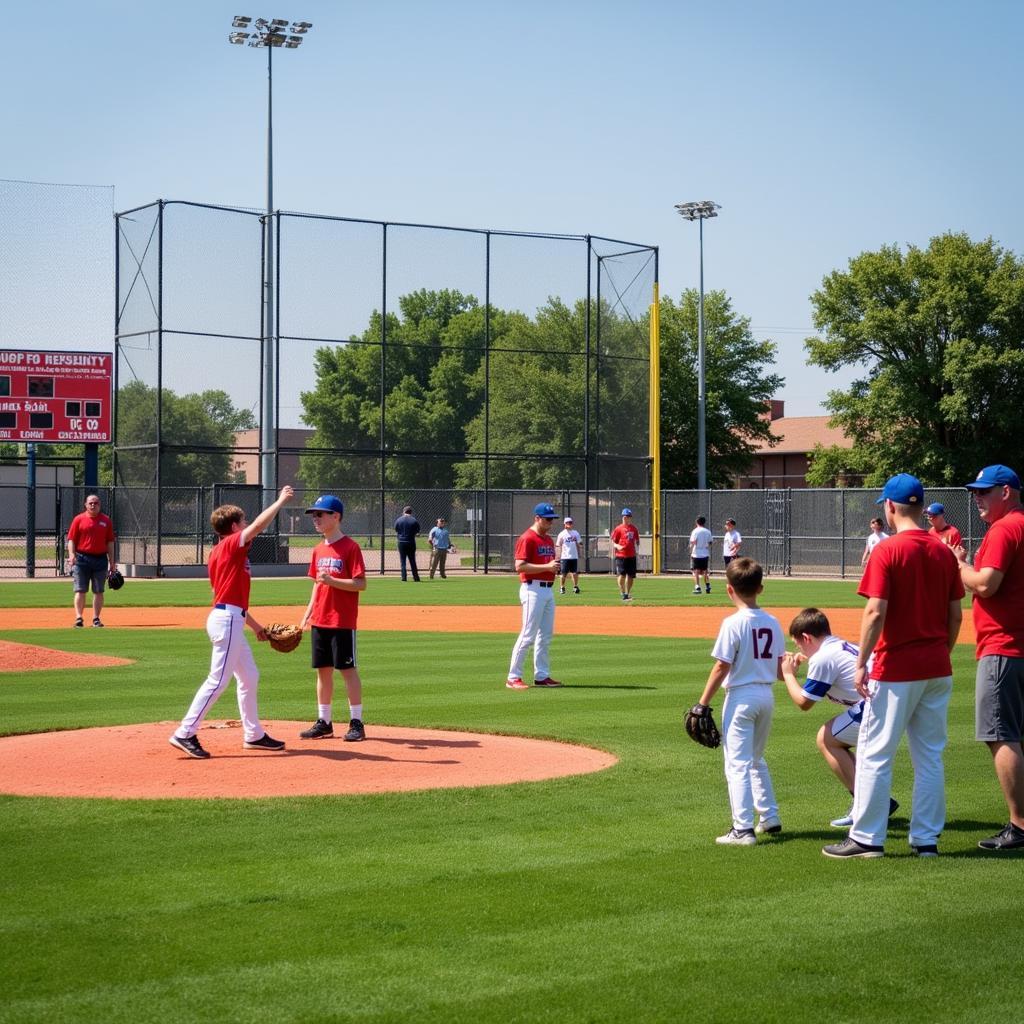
{"type": "Point", "coordinates": [762, 638]}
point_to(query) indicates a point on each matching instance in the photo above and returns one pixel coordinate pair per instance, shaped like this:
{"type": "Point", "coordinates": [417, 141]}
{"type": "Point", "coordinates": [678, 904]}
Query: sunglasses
{"type": "Point", "coordinates": [317, 515]}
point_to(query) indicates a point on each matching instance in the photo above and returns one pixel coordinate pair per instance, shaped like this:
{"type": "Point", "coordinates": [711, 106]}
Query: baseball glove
{"type": "Point", "coordinates": [115, 580]}
{"type": "Point", "coordinates": [700, 726]}
{"type": "Point", "coordinates": [282, 637]}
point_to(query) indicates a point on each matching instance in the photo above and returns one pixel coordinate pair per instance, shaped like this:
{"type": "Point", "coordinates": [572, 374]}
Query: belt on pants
{"type": "Point", "coordinates": [540, 583]}
{"type": "Point", "coordinates": [230, 607]}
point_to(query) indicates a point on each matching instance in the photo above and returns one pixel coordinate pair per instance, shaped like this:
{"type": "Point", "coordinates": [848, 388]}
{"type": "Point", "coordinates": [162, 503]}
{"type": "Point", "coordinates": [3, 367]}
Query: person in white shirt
{"type": "Point", "coordinates": [731, 541]}
{"type": "Point", "coordinates": [567, 550]}
{"type": "Point", "coordinates": [700, 554]}
{"type": "Point", "coordinates": [875, 537]}
{"type": "Point", "coordinates": [748, 657]}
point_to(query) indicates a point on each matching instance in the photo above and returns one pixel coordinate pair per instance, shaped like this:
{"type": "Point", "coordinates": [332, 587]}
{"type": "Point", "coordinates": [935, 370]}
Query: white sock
{"type": "Point", "coordinates": [323, 712]}
{"type": "Point", "coordinates": [356, 711]}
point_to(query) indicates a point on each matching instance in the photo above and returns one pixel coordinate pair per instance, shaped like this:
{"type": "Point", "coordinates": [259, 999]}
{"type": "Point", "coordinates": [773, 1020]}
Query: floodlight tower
{"type": "Point", "coordinates": [270, 35]}
{"type": "Point", "coordinates": [700, 211]}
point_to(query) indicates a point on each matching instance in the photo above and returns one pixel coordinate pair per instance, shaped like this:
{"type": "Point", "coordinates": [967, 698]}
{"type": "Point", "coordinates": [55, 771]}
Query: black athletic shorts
{"type": "Point", "coordinates": [333, 647]}
{"type": "Point", "coordinates": [625, 567]}
{"type": "Point", "coordinates": [570, 565]}
{"type": "Point", "coordinates": [699, 564]}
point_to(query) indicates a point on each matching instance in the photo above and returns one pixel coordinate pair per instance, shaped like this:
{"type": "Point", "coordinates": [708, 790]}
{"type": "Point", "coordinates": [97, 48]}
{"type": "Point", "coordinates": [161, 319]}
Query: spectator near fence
{"type": "Point", "coordinates": [406, 528]}
{"type": "Point", "coordinates": [875, 537]}
{"type": "Point", "coordinates": [440, 544]}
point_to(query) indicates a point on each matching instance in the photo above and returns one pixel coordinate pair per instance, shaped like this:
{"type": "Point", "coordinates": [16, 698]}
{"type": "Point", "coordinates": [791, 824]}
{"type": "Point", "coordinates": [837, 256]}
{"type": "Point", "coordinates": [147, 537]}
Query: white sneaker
{"type": "Point", "coordinates": [738, 837]}
{"type": "Point", "coordinates": [844, 820]}
{"type": "Point", "coordinates": [768, 827]}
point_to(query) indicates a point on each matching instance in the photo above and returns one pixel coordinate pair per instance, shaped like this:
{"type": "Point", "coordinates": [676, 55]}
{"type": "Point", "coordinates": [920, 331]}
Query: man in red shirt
{"type": "Point", "coordinates": [996, 585]}
{"type": "Point", "coordinates": [625, 538]}
{"type": "Point", "coordinates": [910, 624]}
{"type": "Point", "coordinates": [946, 532]}
{"type": "Point", "coordinates": [537, 565]}
{"type": "Point", "coordinates": [231, 579]}
{"type": "Point", "coordinates": [339, 576]}
{"type": "Point", "coordinates": [91, 540]}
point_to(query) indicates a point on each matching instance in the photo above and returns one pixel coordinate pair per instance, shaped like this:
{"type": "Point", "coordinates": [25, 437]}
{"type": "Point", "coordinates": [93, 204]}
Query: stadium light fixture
{"type": "Point", "coordinates": [275, 33]}
{"type": "Point", "coordinates": [700, 211]}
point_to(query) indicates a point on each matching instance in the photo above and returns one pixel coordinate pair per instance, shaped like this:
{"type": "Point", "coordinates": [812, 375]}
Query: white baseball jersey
{"type": "Point", "coordinates": [731, 541]}
{"type": "Point", "coordinates": [568, 542]}
{"type": "Point", "coordinates": [700, 541]}
{"type": "Point", "coordinates": [751, 642]}
{"type": "Point", "coordinates": [830, 672]}
{"type": "Point", "coordinates": [874, 539]}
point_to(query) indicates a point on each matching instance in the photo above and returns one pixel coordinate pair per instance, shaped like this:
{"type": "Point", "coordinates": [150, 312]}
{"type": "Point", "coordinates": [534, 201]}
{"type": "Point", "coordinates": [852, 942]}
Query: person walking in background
{"type": "Point", "coordinates": [567, 549]}
{"type": "Point", "coordinates": [625, 538]}
{"type": "Point", "coordinates": [406, 529]}
{"type": "Point", "coordinates": [731, 541]}
{"type": "Point", "coordinates": [91, 541]}
{"type": "Point", "coordinates": [946, 532]}
{"type": "Point", "coordinates": [996, 585]}
{"type": "Point", "coordinates": [910, 624]}
{"type": "Point", "coordinates": [536, 564]}
{"type": "Point", "coordinates": [875, 537]}
{"type": "Point", "coordinates": [700, 554]}
{"type": "Point", "coordinates": [440, 544]}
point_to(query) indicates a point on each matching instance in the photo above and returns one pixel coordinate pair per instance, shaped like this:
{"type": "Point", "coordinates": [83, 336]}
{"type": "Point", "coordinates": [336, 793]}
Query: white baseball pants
{"type": "Point", "coordinates": [538, 627]}
{"type": "Point", "coordinates": [231, 656]}
{"type": "Point", "coordinates": [892, 709]}
{"type": "Point", "coordinates": [746, 723]}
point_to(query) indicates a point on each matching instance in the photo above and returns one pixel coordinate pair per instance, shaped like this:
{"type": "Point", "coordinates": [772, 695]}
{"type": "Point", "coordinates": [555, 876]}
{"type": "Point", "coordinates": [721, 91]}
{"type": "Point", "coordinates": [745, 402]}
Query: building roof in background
{"type": "Point", "coordinates": [801, 434]}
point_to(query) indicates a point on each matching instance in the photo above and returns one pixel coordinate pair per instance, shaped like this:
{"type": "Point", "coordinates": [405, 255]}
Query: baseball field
{"type": "Point", "coordinates": [588, 897]}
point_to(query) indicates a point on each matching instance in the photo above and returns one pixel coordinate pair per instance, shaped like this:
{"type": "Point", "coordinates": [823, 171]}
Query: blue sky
{"type": "Point", "coordinates": [822, 129]}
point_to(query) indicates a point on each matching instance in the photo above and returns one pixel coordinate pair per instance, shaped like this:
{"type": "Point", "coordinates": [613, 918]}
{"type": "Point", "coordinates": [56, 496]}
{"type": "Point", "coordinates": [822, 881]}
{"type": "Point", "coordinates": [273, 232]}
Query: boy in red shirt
{"type": "Point", "coordinates": [624, 538]}
{"type": "Point", "coordinates": [230, 578]}
{"type": "Point", "coordinates": [336, 567]}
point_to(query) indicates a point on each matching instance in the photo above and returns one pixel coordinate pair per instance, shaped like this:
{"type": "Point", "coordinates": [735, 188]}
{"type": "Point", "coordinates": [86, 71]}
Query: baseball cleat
{"type": "Point", "coordinates": [546, 681]}
{"type": "Point", "coordinates": [561, 590]}
{"type": "Point", "coordinates": [516, 684]}
{"type": "Point", "coordinates": [737, 837]}
{"type": "Point", "coordinates": [851, 848]}
{"type": "Point", "coordinates": [1011, 838]}
{"type": "Point", "coordinates": [575, 590]}
{"type": "Point", "coordinates": [265, 742]}
{"type": "Point", "coordinates": [356, 732]}
{"type": "Point", "coordinates": [319, 730]}
{"type": "Point", "coordinates": [96, 624]}
{"type": "Point", "coordinates": [696, 590]}
{"type": "Point", "coordinates": [707, 589]}
{"type": "Point", "coordinates": [771, 827]}
{"type": "Point", "coordinates": [79, 623]}
{"type": "Point", "coordinates": [926, 851]}
{"type": "Point", "coordinates": [189, 745]}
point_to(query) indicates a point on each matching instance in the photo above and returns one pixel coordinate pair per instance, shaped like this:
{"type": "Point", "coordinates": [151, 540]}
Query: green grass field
{"type": "Point", "coordinates": [597, 898]}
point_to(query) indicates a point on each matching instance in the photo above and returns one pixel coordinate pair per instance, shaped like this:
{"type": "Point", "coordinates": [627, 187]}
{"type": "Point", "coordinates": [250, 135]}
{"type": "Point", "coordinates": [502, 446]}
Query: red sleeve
{"type": "Point", "coordinates": [358, 568]}
{"type": "Point", "coordinates": [111, 536]}
{"type": "Point", "coordinates": [523, 549]}
{"type": "Point", "coordinates": [997, 550]}
{"type": "Point", "coordinates": [875, 581]}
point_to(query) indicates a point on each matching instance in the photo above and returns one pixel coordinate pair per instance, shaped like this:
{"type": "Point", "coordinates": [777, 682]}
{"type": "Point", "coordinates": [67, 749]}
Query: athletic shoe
{"type": "Point", "coordinates": [575, 590]}
{"type": "Point", "coordinates": [846, 821]}
{"type": "Point", "coordinates": [926, 851]}
{"type": "Point", "coordinates": [356, 732]}
{"type": "Point", "coordinates": [319, 730]}
{"type": "Point", "coordinates": [516, 684]}
{"type": "Point", "coordinates": [771, 827]}
{"type": "Point", "coordinates": [79, 623]}
{"type": "Point", "coordinates": [696, 590]}
{"type": "Point", "coordinates": [190, 745]}
{"type": "Point", "coordinates": [851, 848]}
{"type": "Point", "coordinates": [737, 837]}
{"type": "Point", "coordinates": [96, 624]}
{"type": "Point", "coordinates": [625, 597]}
{"type": "Point", "coordinates": [265, 742]}
{"type": "Point", "coordinates": [1011, 838]}
{"type": "Point", "coordinates": [547, 681]}
{"type": "Point", "coordinates": [707, 589]}
{"type": "Point", "coordinates": [561, 590]}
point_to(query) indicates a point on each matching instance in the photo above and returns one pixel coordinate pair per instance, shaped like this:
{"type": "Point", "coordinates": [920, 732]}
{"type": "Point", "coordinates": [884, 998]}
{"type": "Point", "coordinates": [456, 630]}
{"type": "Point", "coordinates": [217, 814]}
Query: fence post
{"type": "Point", "coordinates": [842, 533]}
{"type": "Point", "coordinates": [30, 512]}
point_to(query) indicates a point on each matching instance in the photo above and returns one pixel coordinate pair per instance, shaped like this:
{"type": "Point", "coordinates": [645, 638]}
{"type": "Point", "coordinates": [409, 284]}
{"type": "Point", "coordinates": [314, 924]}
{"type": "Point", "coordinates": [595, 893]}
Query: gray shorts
{"type": "Point", "coordinates": [999, 699]}
{"type": "Point", "coordinates": [89, 569]}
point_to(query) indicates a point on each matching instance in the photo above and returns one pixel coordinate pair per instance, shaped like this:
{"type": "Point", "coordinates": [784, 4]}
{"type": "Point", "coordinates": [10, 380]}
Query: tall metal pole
{"type": "Point", "coordinates": [702, 446]}
{"type": "Point", "coordinates": [268, 440]}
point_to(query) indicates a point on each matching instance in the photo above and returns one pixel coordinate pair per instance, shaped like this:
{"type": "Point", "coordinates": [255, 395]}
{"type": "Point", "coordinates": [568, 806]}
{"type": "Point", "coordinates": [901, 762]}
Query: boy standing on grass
{"type": "Point", "coordinates": [831, 668]}
{"type": "Point", "coordinates": [748, 655]}
{"type": "Point", "coordinates": [338, 574]}
{"type": "Point", "coordinates": [231, 579]}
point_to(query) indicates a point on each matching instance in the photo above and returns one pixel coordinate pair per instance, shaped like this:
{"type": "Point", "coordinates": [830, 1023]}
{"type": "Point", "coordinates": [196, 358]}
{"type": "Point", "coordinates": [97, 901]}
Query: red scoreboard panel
{"type": "Point", "coordinates": [55, 396]}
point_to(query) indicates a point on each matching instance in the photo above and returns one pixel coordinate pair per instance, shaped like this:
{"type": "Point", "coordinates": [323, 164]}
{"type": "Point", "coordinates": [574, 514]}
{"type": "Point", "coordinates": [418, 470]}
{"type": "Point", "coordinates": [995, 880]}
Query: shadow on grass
{"type": "Point", "coordinates": [606, 686]}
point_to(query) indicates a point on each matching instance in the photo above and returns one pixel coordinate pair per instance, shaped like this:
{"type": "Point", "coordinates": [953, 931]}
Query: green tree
{"type": "Point", "coordinates": [939, 333]}
{"type": "Point", "coordinates": [738, 388]}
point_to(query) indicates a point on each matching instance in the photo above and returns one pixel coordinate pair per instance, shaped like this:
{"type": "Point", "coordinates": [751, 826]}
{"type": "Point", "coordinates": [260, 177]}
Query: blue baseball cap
{"type": "Point", "coordinates": [327, 503]}
{"type": "Point", "coordinates": [627, 512]}
{"type": "Point", "coordinates": [994, 476]}
{"type": "Point", "coordinates": [545, 511]}
{"type": "Point", "coordinates": [903, 489]}
{"type": "Point", "coordinates": [936, 508]}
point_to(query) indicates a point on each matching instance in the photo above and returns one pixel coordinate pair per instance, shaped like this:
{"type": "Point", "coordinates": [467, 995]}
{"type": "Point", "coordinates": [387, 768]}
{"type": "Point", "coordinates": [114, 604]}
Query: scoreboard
{"type": "Point", "coordinates": [55, 396]}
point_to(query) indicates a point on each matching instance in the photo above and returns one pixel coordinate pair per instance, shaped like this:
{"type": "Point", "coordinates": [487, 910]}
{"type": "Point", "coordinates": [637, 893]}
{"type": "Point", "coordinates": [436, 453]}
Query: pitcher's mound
{"type": "Point", "coordinates": [136, 762]}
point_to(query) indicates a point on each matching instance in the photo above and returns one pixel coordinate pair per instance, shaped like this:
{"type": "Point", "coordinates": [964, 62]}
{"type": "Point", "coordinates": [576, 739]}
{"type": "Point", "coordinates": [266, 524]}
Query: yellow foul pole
{"type": "Point", "coordinates": [654, 432]}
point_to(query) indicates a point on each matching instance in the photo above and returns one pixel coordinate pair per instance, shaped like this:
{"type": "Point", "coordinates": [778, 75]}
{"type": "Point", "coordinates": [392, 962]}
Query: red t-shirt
{"type": "Point", "coordinates": [532, 547]}
{"type": "Point", "coordinates": [334, 608]}
{"type": "Point", "coordinates": [230, 575]}
{"type": "Point", "coordinates": [950, 535]}
{"type": "Point", "coordinates": [627, 535]}
{"type": "Point", "coordinates": [999, 620]}
{"type": "Point", "coordinates": [91, 534]}
{"type": "Point", "coordinates": [919, 577]}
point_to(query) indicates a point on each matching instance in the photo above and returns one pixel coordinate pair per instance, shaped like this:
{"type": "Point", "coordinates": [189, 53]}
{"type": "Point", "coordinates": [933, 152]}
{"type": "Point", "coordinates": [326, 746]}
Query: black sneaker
{"type": "Point", "coordinates": [707, 589]}
{"type": "Point", "coordinates": [575, 590]}
{"type": "Point", "coordinates": [1011, 838]}
{"type": "Point", "coordinates": [96, 624]}
{"type": "Point", "coordinates": [319, 730]}
{"type": "Point", "coordinates": [190, 745]}
{"type": "Point", "coordinates": [355, 732]}
{"type": "Point", "coordinates": [926, 851]}
{"type": "Point", "coordinates": [265, 742]}
{"type": "Point", "coordinates": [79, 623]}
{"type": "Point", "coordinates": [851, 848]}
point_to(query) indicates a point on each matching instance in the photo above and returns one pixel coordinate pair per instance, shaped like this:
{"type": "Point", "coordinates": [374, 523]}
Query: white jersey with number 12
{"type": "Point", "coordinates": [751, 641]}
